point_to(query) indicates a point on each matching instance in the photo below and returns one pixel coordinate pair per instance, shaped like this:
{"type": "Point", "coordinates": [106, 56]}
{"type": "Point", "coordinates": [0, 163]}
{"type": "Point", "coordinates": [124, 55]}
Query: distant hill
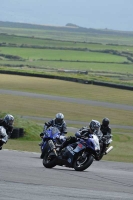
{"type": "Point", "coordinates": [69, 27]}
{"type": "Point", "coordinates": [72, 25]}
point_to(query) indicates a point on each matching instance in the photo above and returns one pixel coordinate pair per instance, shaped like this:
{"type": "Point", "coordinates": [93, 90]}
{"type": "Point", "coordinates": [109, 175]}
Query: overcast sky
{"type": "Point", "coordinates": [111, 14]}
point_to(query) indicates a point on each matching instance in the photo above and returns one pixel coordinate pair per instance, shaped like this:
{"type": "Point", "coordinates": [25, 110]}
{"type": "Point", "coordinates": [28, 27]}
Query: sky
{"type": "Point", "coordinates": [99, 14]}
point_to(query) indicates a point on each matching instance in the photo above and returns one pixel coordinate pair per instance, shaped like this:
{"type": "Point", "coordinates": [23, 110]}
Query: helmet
{"type": "Point", "coordinates": [59, 118]}
{"type": "Point", "coordinates": [95, 126]}
{"type": "Point", "coordinates": [9, 119]}
{"type": "Point", "coordinates": [105, 122]}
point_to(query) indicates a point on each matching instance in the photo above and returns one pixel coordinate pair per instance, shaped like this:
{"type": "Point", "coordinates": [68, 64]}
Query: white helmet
{"type": "Point", "coordinates": [9, 119]}
{"type": "Point", "coordinates": [95, 126]}
{"type": "Point", "coordinates": [59, 118]}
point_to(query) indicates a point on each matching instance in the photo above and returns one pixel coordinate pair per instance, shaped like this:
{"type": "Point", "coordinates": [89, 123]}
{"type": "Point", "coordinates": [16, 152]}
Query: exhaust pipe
{"type": "Point", "coordinates": [109, 149]}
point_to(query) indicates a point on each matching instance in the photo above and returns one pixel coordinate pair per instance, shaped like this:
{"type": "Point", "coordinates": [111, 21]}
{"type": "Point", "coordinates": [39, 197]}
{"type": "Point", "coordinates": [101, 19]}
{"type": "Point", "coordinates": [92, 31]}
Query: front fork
{"type": "Point", "coordinates": [52, 147]}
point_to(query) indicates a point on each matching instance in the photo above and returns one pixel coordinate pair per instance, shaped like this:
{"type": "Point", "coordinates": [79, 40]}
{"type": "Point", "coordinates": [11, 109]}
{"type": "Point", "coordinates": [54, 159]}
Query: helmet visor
{"type": "Point", "coordinates": [10, 122]}
{"type": "Point", "coordinates": [105, 124]}
{"type": "Point", "coordinates": [59, 121]}
{"type": "Point", "coordinates": [96, 130]}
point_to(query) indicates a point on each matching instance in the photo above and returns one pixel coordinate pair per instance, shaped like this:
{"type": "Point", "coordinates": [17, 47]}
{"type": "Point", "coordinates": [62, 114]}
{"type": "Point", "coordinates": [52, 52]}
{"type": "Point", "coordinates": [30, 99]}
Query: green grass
{"type": "Point", "coordinates": [125, 69]}
{"type": "Point", "coordinates": [20, 145]}
{"type": "Point", "coordinates": [123, 149]}
{"type": "Point", "coordinates": [66, 89]}
{"type": "Point", "coordinates": [70, 36]}
{"type": "Point", "coordinates": [73, 111]}
{"type": "Point", "coordinates": [50, 54]}
{"type": "Point", "coordinates": [18, 40]}
{"type": "Point", "coordinates": [100, 66]}
{"type": "Point", "coordinates": [21, 105]}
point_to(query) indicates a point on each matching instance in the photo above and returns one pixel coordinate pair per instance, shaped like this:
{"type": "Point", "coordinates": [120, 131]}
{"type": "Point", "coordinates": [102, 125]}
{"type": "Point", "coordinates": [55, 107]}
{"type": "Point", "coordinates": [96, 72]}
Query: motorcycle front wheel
{"type": "Point", "coordinates": [45, 149]}
{"type": "Point", "coordinates": [81, 163]}
{"type": "Point", "coordinates": [49, 160]}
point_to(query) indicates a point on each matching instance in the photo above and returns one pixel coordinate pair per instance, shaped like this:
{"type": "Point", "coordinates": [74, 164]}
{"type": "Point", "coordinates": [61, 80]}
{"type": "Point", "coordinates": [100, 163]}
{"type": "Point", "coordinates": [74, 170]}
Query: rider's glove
{"type": "Point", "coordinates": [41, 135]}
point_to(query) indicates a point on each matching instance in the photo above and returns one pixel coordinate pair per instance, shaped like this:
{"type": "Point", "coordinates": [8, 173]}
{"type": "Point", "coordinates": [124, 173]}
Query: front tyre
{"type": "Point", "coordinates": [44, 151]}
{"type": "Point", "coordinates": [49, 160]}
{"type": "Point", "coordinates": [80, 163]}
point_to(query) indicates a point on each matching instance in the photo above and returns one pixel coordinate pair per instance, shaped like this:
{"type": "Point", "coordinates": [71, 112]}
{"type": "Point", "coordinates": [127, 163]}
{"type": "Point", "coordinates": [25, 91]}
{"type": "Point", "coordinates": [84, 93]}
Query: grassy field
{"type": "Point", "coordinates": [66, 89]}
{"type": "Point", "coordinates": [70, 35]}
{"type": "Point", "coordinates": [50, 54]}
{"type": "Point", "coordinates": [42, 42]}
{"type": "Point", "coordinates": [100, 61]}
{"type": "Point", "coordinates": [110, 68]}
{"type": "Point", "coordinates": [22, 105]}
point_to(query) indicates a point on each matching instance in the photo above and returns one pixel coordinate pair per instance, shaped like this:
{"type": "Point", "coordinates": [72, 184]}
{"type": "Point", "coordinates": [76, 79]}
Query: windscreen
{"type": "Point", "coordinates": [55, 130]}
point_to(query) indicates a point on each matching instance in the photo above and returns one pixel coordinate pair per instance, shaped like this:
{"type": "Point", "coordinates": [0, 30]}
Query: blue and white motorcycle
{"type": "Point", "coordinates": [79, 155]}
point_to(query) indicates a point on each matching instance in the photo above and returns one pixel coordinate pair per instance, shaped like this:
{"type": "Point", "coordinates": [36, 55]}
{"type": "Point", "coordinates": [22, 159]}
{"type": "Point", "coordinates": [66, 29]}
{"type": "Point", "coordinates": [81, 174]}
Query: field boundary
{"type": "Point", "coordinates": [98, 83]}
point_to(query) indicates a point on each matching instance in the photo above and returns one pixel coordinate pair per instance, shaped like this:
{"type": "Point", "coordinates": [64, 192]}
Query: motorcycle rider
{"type": "Point", "coordinates": [3, 136]}
{"type": "Point", "coordinates": [106, 130]}
{"type": "Point", "coordinates": [58, 122]}
{"type": "Point", "coordinates": [7, 123]}
{"type": "Point", "coordinates": [94, 128]}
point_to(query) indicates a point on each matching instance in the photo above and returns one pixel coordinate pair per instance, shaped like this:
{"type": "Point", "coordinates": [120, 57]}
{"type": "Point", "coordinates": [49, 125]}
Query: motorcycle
{"type": "Point", "coordinates": [53, 134]}
{"type": "Point", "coordinates": [79, 155]}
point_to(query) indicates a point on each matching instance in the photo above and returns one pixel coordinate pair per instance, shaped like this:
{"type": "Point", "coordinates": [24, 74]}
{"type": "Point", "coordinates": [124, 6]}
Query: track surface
{"type": "Point", "coordinates": [23, 177]}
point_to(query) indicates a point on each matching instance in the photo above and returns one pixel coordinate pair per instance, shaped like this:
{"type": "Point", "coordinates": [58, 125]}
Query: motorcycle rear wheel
{"type": "Point", "coordinates": [82, 164]}
{"type": "Point", "coordinates": [49, 160]}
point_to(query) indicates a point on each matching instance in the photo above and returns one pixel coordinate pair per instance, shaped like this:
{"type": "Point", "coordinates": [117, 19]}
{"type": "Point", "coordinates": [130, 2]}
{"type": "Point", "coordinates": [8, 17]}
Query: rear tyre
{"type": "Point", "coordinates": [49, 160]}
{"type": "Point", "coordinates": [80, 164]}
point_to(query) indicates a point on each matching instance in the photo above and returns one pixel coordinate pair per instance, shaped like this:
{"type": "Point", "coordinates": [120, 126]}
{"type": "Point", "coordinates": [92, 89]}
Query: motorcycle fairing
{"type": "Point", "coordinates": [93, 143]}
{"type": "Point", "coordinates": [80, 146]}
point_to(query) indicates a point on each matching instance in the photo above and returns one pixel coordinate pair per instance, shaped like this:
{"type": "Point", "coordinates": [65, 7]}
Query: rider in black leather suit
{"type": "Point", "coordinates": [106, 130]}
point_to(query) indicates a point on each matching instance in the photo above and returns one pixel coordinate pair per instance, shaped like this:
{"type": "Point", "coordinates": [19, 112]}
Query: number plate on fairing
{"type": "Point", "coordinates": [70, 149]}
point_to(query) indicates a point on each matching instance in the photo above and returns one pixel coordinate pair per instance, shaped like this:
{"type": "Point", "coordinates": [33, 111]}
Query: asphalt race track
{"type": "Point", "coordinates": [23, 177]}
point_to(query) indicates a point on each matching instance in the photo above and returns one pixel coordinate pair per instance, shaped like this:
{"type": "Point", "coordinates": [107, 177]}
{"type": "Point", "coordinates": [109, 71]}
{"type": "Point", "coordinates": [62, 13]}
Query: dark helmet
{"type": "Point", "coordinates": [95, 126]}
{"type": "Point", "coordinates": [59, 118]}
{"type": "Point", "coordinates": [105, 122]}
{"type": "Point", "coordinates": [9, 119]}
